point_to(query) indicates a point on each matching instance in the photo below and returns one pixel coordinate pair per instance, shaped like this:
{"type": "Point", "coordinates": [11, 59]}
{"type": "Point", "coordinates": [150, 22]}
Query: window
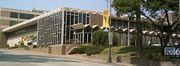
{"type": "Point", "coordinates": [80, 17]}
{"type": "Point", "coordinates": [23, 30]}
{"type": "Point", "coordinates": [88, 18]}
{"type": "Point", "coordinates": [125, 24]}
{"type": "Point", "coordinates": [76, 18]}
{"type": "Point", "coordinates": [113, 23]}
{"type": "Point", "coordinates": [14, 15]}
{"type": "Point", "coordinates": [26, 16]}
{"type": "Point", "coordinates": [132, 25]}
{"type": "Point", "coordinates": [72, 18]}
{"type": "Point", "coordinates": [65, 16]}
{"type": "Point", "coordinates": [119, 23]}
{"type": "Point", "coordinates": [84, 18]}
{"type": "Point", "coordinates": [13, 22]}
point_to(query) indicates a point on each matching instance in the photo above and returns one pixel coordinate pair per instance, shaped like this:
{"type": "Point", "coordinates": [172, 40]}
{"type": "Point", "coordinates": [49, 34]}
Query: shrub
{"type": "Point", "coordinates": [20, 44]}
{"type": "Point", "coordinates": [81, 49]}
{"type": "Point", "coordinates": [100, 38]}
{"type": "Point", "coordinates": [153, 53]}
{"type": "Point", "coordinates": [89, 50]}
{"type": "Point", "coordinates": [115, 38]}
{"type": "Point", "coordinates": [7, 46]}
{"type": "Point", "coordinates": [94, 50]}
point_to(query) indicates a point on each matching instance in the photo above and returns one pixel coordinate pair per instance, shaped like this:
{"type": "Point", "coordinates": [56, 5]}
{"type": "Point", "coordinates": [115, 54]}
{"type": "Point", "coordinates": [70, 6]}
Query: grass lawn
{"type": "Point", "coordinates": [122, 51]}
{"type": "Point", "coordinates": [149, 52]}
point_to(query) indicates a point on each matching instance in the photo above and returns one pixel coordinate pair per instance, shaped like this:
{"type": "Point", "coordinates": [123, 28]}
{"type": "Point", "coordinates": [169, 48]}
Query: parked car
{"type": "Point", "coordinates": [33, 42]}
{"type": "Point", "coordinates": [155, 44]}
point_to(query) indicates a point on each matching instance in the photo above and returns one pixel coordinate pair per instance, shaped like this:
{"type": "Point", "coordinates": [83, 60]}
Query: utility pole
{"type": "Point", "coordinates": [128, 32]}
{"type": "Point", "coordinates": [110, 35]}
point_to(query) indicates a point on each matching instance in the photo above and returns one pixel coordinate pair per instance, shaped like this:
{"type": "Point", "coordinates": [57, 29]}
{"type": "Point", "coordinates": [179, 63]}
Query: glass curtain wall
{"type": "Point", "coordinates": [50, 29]}
{"type": "Point", "coordinates": [72, 18]}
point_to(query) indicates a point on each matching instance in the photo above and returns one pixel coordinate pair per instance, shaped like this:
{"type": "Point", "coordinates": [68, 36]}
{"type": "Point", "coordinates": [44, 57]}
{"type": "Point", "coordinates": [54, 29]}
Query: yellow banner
{"type": "Point", "coordinates": [106, 18]}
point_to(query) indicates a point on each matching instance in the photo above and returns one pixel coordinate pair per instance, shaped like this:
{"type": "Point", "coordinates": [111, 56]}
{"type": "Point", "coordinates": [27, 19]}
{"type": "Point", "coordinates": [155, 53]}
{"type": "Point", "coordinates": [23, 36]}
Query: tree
{"type": "Point", "coordinates": [132, 8]}
{"type": "Point", "coordinates": [159, 12]}
{"type": "Point", "coordinates": [155, 11]}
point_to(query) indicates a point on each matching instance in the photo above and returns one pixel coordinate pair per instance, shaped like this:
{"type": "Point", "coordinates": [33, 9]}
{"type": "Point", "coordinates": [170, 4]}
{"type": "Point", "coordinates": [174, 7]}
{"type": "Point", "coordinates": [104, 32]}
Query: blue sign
{"type": "Point", "coordinates": [172, 51]}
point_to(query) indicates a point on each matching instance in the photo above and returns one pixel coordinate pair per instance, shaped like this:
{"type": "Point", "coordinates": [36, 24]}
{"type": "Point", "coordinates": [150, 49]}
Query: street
{"type": "Point", "coordinates": [21, 58]}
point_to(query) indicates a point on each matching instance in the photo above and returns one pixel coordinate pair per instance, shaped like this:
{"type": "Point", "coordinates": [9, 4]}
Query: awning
{"type": "Point", "coordinates": [132, 31]}
{"type": "Point", "coordinates": [174, 35]}
{"type": "Point", "coordinates": [78, 26]}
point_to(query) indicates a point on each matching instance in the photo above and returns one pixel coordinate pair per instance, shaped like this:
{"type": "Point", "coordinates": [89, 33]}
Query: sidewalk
{"type": "Point", "coordinates": [74, 56]}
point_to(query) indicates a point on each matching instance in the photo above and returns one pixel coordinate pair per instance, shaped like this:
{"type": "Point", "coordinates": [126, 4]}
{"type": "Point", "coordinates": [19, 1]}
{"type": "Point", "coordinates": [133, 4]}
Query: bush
{"type": "Point", "coordinates": [81, 49]}
{"type": "Point", "coordinates": [20, 44]}
{"type": "Point", "coordinates": [115, 38]}
{"type": "Point", "coordinates": [94, 50]}
{"type": "Point", "coordinates": [153, 53]}
{"type": "Point", "coordinates": [7, 46]}
{"type": "Point", "coordinates": [100, 38]}
{"type": "Point", "coordinates": [89, 50]}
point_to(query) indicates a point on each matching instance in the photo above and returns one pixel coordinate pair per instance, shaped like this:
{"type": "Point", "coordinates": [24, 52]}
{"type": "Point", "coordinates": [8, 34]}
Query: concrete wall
{"type": "Point", "coordinates": [4, 14]}
{"type": "Point", "coordinates": [3, 39]}
{"type": "Point", "coordinates": [96, 19]}
{"type": "Point", "coordinates": [14, 40]}
{"type": "Point", "coordinates": [53, 49]}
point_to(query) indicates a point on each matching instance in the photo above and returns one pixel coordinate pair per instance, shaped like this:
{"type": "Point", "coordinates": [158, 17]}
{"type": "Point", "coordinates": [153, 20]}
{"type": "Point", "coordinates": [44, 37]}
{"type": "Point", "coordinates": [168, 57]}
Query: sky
{"type": "Point", "coordinates": [95, 5]}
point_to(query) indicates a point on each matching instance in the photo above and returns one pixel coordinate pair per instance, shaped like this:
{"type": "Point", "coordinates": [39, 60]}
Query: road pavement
{"type": "Point", "coordinates": [21, 58]}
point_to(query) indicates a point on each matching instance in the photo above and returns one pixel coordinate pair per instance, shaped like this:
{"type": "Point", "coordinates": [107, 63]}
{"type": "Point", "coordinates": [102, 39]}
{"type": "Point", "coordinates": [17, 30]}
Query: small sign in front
{"type": "Point", "coordinates": [110, 35]}
{"type": "Point", "coordinates": [172, 51]}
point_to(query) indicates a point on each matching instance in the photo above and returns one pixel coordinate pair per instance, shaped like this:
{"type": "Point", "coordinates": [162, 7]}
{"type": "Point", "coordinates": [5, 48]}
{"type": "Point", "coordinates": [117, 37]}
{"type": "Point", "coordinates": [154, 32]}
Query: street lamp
{"type": "Point", "coordinates": [110, 35]}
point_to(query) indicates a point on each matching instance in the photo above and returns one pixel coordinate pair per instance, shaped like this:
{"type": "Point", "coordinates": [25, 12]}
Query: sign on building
{"type": "Point", "coordinates": [106, 15]}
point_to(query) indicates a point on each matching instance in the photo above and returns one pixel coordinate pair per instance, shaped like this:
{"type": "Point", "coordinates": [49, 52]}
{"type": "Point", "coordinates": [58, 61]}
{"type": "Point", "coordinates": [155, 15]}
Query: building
{"type": "Point", "coordinates": [10, 17]}
{"type": "Point", "coordinates": [67, 25]}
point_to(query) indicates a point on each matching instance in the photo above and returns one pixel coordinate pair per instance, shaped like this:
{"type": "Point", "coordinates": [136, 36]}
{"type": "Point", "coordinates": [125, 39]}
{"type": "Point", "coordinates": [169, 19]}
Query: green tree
{"type": "Point", "coordinates": [158, 13]}
{"type": "Point", "coordinates": [132, 8]}
{"type": "Point", "coordinates": [155, 11]}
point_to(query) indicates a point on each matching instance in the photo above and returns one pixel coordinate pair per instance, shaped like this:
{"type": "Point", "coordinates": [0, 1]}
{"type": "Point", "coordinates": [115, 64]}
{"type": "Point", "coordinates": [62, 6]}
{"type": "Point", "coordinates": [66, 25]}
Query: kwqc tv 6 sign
{"type": "Point", "coordinates": [172, 51]}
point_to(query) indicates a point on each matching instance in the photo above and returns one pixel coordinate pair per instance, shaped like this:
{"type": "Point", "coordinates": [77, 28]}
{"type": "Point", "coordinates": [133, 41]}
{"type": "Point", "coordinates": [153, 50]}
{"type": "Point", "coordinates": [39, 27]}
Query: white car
{"type": "Point", "coordinates": [156, 44]}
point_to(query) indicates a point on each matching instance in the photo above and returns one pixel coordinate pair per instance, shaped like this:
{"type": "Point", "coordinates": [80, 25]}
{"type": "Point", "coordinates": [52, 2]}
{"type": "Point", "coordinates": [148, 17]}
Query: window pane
{"type": "Point", "coordinates": [14, 15]}
{"type": "Point", "coordinates": [13, 22]}
{"type": "Point", "coordinates": [80, 17]}
{"type": "Point", "coordinates": [84, 18]}
{"type": "Point", "coordinates": [72, 18]}
{"type": "Point", "coordinates": [26, 16]}
{"type": "Point", "coordinates": [125, 24]}
{"type": "Point", "coordinates": [88, 18]}
{"type": "Point", "coordinates": [76, 19]}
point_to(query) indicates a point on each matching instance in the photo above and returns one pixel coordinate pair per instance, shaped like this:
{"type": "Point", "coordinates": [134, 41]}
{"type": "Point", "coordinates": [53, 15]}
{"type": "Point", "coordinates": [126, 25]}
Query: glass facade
{"type": "Point", "coordinates": [28, 29]}
{"type": "Point", "coordinates": [76, 35]}
{"type": "Point", "coordinates": [50, 29]}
